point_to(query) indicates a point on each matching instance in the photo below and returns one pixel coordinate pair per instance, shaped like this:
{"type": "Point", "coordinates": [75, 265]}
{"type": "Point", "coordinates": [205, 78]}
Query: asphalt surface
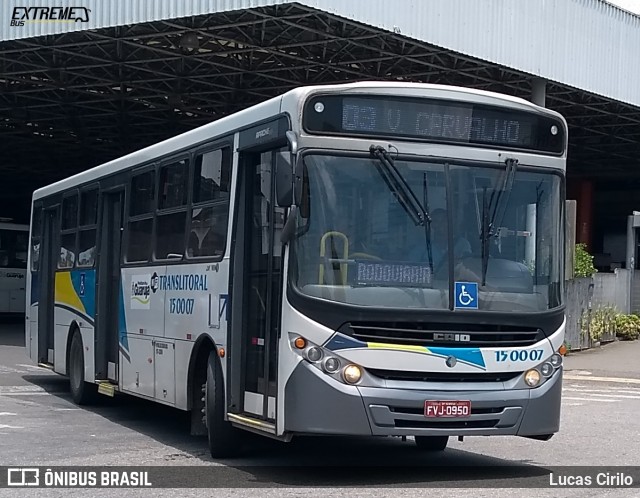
{"type": "Point", "coordinates": [40, 426]}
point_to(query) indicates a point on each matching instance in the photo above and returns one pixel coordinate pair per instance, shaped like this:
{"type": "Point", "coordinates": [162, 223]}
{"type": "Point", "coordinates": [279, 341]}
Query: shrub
{"type": "Point", "coordinates": [584, 262]}
{"type": "Point", "coordinates": [628, 327]}
{"type": "Point", "coordinates": [603, 319]}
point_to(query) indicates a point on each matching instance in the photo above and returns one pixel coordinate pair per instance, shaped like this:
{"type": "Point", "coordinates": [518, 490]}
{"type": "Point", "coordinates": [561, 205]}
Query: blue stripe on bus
{"type": "Point", "coordinates": [84, 283]}
{"type": "Point", "coordinates": [35, 287]}
{"type": "Point", "coordinates": [339, 341]}
{"type": "Point", "coordinates": [122, 322]}
{"type": "Point", "coordinates": [471, 356]}
{"type": "Point", "coordinates": [76, 312]}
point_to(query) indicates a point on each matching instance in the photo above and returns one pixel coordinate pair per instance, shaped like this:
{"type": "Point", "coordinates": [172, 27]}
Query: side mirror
{"type": "Point", "coordinates": [284, 181]}
{"type": "Point", "coordinates": [285, 171]}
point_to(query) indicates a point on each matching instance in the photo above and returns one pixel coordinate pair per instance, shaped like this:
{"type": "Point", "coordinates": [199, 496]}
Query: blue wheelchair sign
{"type": "Point", "coordinates": [466, 295]}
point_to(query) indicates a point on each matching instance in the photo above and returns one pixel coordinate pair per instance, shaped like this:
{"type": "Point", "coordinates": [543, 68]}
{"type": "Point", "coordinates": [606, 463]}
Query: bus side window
{"type": "Point", "coordinates": [140, 224]}
{"type": "Point", "coordinates": [87, 233]}
{"type": "Point", "coordinates": [4, 248]}
{"type": "Point", "coordinates": [68, 231]}
{"type": "Point", "coordinates": [210, 213]}
{"type": "Point", "coordinates": [35, 238]}
{"type": "Point", "coordinates": [172, 195]}
{"type": "Point", "coordinates": [20, 253]}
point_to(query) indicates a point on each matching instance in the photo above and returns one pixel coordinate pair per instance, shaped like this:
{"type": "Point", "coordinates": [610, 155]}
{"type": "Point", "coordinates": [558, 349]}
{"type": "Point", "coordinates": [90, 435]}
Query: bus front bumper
{"type": "Point", "coordinates": [316, 404]}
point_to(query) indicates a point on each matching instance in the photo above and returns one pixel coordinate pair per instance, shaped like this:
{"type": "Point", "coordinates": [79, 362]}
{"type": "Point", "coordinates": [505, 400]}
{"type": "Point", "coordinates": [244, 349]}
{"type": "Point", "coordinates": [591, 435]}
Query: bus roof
{"type": "Point", "coordinates": [269, 109]}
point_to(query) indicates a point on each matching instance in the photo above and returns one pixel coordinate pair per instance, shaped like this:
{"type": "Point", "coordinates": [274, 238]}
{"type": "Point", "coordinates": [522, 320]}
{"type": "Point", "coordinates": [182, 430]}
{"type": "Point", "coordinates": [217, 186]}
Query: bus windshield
{"type": "Point", "coordinates": [359, 242]}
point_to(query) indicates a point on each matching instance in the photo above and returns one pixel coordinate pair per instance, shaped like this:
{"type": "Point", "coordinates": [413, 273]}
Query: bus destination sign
{"type": "Point", "coordinates": [436, 120]}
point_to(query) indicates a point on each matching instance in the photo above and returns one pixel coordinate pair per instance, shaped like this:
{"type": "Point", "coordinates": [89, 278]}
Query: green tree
{"type": "Point", "coordinates": [584, 262]}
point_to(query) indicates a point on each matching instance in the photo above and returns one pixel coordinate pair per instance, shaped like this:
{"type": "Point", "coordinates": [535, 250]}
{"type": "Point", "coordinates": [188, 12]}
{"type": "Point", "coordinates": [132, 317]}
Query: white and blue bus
{"type": "Point", "coordinates": [14, 243]}
{"type": "Point", "coordinates": [374, 259]}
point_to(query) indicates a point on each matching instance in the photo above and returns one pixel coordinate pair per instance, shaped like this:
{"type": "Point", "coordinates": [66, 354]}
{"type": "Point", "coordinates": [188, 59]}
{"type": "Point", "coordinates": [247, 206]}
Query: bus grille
{"type": "Point", "coordinates": [443, 334]}
{"type": "Point", "coordinates": [401, 375]}
{"type": "Point", "coordinates": [446, 424]}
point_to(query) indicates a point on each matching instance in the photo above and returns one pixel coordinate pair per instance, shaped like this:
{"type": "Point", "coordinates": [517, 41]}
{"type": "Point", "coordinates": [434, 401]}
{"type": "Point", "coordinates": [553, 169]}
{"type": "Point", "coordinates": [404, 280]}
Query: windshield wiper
{"type": "Point", "coordinates": [493, 212]}
{"type": "Point", "coordinates": [397, 184]}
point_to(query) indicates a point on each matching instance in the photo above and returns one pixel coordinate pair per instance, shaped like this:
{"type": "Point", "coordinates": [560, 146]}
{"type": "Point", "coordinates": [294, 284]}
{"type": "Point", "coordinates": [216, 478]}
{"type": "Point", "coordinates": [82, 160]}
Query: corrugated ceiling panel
{"type": "Point", "coordinates": [588, 44]}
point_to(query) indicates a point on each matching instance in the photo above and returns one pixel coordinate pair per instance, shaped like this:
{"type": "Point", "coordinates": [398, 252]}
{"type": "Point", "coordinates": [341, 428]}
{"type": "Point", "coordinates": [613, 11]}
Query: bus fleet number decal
{"type": "Point", "coordinates": [520, 355]}
{"type": "Point", "coordinates": [181, 306]}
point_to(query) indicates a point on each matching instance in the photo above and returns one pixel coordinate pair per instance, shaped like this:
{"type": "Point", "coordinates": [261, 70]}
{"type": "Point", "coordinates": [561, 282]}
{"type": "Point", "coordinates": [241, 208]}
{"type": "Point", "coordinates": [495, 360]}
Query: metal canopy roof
{"type": "Point", "coordinates": [73, 100]}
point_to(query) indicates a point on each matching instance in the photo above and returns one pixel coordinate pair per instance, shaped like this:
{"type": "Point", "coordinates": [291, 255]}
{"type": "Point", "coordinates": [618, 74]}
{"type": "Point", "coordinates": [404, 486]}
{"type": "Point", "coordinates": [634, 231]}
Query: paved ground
{"type": "Point", "coordinates": [619, 359]}
{"type": "Point", "coordinates": [39, 425]}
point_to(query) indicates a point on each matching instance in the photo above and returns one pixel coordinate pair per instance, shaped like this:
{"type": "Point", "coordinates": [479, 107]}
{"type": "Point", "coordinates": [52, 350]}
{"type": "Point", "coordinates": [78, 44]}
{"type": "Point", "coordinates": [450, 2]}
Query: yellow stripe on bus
{"type": "Point", "coordinates": [65, 293]}
{"type": "Point", "coordinates": [397, 347]}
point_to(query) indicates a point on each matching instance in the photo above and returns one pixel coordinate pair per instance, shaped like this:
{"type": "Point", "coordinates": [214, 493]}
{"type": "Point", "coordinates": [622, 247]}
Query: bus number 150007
{"type": "Point", "coordinates": [178, 306]}
{"type": "Point", "coordinates": [520, 355]}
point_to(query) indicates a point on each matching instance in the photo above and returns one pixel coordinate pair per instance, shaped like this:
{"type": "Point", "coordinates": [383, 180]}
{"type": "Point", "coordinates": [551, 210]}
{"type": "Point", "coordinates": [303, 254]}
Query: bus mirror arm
{"type": "Point", "coordinates": [285, 171]}
{"type": "Point", "coordinates": [292, 138]}
{"type": "Point", "coordinates": [284, 183]}
{"type": "Point", "coordinates": [289, 228]}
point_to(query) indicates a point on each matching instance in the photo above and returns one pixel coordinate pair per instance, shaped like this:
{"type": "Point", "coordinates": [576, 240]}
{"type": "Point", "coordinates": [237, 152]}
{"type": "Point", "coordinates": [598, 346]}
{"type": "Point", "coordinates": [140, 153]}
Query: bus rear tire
{"type": "Point", "coordinates": [432, 443]}
{"type": "Point", "coordinates": [222, 436]}
{"type": "Point", "coordinates": [82, 392]}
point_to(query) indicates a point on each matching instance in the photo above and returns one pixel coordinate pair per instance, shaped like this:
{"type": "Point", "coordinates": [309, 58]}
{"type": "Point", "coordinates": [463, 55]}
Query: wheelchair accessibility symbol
{"type": "Point", "coordinates": [466, 295]}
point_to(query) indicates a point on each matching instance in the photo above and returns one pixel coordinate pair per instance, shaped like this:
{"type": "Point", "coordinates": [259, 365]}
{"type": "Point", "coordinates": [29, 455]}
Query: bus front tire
{"type": "Point", "coordinates": [432, 443]}
{"type": "Point", "coordinates": [223, 440]}
{"type": "Point", "coordinates": [82, 392]}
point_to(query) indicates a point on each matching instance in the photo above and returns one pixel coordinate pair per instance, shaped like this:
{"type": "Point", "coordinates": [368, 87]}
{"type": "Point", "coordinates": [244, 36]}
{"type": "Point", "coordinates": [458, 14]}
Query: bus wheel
{"type": "Point", "coordinates": [432, 443]}
{"type": "Point", "coordinates": [82, 392]}
{"type": "Point", "coordinates": [222, 436]}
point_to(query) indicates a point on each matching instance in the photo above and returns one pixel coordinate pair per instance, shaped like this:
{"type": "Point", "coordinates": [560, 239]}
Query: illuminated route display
{"type": "Point", "coordinates": [434, 120]}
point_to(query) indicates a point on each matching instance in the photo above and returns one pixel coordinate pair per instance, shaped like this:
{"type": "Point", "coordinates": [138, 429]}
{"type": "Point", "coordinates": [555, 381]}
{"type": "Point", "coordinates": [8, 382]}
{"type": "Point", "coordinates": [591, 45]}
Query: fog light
{"type": "Point", "coordinates": [314, 354]}
{"type": "Point", "coordinates": [546, 369]}
{"type": "Point", "coordinates": [556, 360]}
{"type": "Point", "coordinates": [300, 342]}
{"type": "Point", "coordinates": [532, 377]}
{"type": "Point", "coordinates": [331, 364]}
{"type": "Point", "coordinates": [352, 374]}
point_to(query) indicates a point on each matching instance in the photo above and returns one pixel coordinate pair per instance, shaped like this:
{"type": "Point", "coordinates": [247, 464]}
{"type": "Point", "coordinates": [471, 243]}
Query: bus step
{"type": "Point", "coordinates": [48, 366]}
{"type": "Point", "coordinates": [252, 423]}
{"type": "Point", "coordinates": [106, 388]}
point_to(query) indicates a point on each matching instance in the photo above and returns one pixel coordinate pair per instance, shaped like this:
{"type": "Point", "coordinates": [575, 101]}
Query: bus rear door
{"type": "Point", "coordinates": [108, 285]}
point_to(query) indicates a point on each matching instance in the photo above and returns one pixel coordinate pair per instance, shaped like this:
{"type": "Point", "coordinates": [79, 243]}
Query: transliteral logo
{"type": "Point", "coordinates": [140, 292]}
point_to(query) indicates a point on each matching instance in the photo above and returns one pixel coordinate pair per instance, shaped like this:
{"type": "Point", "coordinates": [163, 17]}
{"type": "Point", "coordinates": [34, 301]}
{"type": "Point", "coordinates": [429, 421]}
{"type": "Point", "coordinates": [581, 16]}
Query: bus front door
{"type": "Point", "coordinates": [46, 299]}
{"type": "Point", "coordinates": [108, 286]}
{"type": "Point", "coordinates": [256, 320]}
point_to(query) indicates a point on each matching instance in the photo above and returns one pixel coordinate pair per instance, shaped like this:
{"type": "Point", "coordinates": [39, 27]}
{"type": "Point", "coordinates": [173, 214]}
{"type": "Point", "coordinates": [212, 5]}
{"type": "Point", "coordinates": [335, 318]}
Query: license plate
{"type": "Point", "coordinates": [436, 409]}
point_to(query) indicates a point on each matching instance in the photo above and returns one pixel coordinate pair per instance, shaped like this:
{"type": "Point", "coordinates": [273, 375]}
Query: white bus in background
{"type": "Point", "coordinates": [14, 245]}
{"type": "Point", "coordinates": [374, 259]}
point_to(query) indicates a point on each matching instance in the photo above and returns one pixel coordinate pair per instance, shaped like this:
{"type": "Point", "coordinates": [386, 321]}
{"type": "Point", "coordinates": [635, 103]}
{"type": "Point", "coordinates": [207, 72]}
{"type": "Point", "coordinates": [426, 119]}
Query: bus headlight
{"type": "Point", "coordinates": [556, 360]}
{"type": "Point", "coordinates": [331, 364]}
{"type": "Point", "coordinates": [328, 362]}
{"type": "Point", "coordinates": [546, 369]}
{"type": "Point", "coordinates": [352, 374]}
{"type": "Point", "coordinates": [532, 377]}
{"type": "Point", "coordinates": [314, 354]}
